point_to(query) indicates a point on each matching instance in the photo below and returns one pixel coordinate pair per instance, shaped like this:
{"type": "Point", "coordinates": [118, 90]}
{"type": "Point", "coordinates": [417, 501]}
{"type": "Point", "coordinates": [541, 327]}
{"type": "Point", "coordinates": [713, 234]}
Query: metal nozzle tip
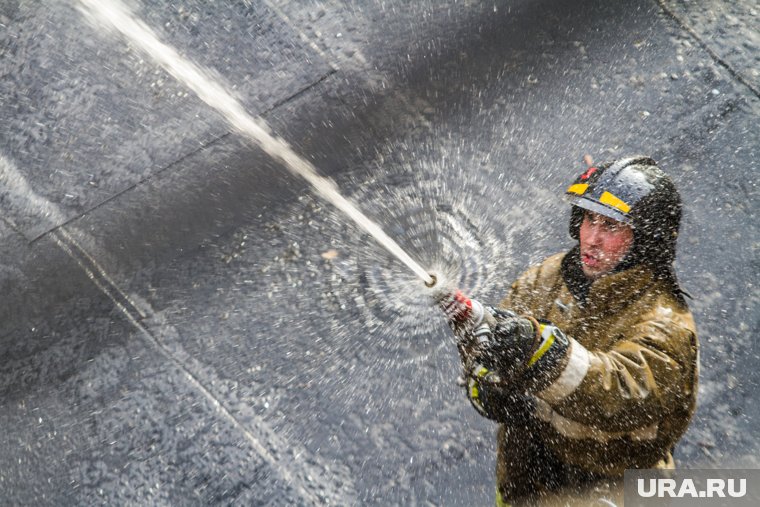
{"type": "Point", "coordinates": [432, 282]}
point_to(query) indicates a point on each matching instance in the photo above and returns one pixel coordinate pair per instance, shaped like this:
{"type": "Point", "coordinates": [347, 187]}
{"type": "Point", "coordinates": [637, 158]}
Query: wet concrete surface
{"type": "Point", "coordinates": [201, 329]}
{"type": "Point", "coordinates": [75, 98]}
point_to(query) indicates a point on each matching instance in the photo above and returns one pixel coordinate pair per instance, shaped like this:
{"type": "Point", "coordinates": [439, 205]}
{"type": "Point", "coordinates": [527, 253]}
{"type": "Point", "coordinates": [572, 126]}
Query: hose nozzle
{"type": "Point", "coordinates": [460, 309]}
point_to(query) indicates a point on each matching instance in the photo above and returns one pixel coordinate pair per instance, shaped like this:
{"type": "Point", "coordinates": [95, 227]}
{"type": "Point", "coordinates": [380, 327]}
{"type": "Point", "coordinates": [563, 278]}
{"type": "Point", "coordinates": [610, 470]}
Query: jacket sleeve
{"type": "Point", "coordinates": [649, 372]}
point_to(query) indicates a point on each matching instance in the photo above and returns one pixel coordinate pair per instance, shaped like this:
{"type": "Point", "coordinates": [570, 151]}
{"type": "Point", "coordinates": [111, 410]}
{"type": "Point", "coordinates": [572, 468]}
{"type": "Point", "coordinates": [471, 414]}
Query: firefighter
{"type": "Point", "coordinates": [590, 363]}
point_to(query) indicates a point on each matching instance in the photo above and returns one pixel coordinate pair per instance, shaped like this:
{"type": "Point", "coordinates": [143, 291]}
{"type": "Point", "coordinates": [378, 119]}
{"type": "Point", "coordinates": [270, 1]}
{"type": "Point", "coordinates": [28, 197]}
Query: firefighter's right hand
{"type": "Point", "coordinates": [464, 315]}
{"type": "Point", "coordinates": [472, 323]}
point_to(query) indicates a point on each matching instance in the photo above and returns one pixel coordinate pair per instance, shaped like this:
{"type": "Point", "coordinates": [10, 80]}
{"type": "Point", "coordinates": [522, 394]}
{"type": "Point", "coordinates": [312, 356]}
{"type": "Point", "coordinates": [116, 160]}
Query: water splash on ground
{"type": "Point", "coordinates": [356, 302]}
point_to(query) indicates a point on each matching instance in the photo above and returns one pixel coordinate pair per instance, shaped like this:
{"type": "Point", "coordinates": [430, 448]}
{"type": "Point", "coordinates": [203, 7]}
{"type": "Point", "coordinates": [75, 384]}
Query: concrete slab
{"type": "Point", "coordinates": [89, 117]}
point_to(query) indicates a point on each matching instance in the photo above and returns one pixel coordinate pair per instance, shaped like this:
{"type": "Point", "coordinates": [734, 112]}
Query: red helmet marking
{"type": "Point", "coordinates": [587, 174]}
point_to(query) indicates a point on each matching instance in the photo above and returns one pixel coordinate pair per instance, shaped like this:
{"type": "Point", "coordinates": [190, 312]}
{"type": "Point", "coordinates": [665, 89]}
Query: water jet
{"type": "Point", "coordinates": [114, 15]}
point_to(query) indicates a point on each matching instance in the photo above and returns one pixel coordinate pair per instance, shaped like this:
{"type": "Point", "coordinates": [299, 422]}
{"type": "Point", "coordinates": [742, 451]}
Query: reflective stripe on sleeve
{"type": "Point", "coordinates": [548, 340]}
{"type": "Point", "coordinates": [571, 377]}
{"type": "Point", "coordinates": [579, 431]}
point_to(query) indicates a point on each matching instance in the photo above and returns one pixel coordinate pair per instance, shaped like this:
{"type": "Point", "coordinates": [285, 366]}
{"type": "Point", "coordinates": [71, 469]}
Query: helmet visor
{"type": "Point", "coordinates": [602, 209]}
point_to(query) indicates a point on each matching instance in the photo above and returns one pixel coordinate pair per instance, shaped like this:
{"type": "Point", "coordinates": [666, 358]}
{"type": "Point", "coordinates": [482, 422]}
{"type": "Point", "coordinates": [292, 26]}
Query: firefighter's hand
{"type": "Point", "coordinates": [488, 393]}
{"type": "Point", "coordinates": [474, 325]}
{"type": "Point", "coordinates": [469, 319]}
{"type": "Point", "coordinates": [481, 384]}
{"type": "Point", "coordinates": [521, 348]}
{"type": "Point", "coordinates": [509, 346]}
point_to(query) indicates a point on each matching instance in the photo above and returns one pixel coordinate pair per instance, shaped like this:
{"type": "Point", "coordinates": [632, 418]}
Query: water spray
{"type": "Point", "coordinates": [113, 14]}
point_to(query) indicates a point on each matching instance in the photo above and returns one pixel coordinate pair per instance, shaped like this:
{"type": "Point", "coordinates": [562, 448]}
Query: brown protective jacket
{"type": "Point", "coordinates": [624, 393]}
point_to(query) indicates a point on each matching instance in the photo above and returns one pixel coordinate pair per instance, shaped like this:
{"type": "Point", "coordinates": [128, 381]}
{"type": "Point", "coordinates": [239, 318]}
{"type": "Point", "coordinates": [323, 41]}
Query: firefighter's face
{"type": "Point", "coordinates": [604, 243]}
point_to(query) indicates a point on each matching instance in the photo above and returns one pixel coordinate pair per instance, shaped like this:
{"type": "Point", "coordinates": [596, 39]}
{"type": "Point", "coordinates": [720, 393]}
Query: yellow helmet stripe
{"type": "Point", "coordinates": [578, 188]}
{"type": "Point", "coordinates": [610, 200]}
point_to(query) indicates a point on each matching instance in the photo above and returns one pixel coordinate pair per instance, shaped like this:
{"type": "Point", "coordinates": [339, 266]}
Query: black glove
{"type": "Point", "coordinates": [518, 356]}
{"type": "Point", "coordinates": [522, 349]}
{"type": "Point", "coordinates": [510, 345]}
{"type": "Point", "coordinates": [495, 399]}
{"type": "Point", "coordinates": [489, 354]}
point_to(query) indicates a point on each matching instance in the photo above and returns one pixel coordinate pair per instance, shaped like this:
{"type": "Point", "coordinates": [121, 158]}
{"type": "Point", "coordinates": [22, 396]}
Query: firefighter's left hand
{"type": "Point", "coordinates": [487, 393]}
{"type": "Point", "coordinates": [507, 347]}
{"type": "Point", "coordinates": [506, 363]}
{"type": "Point", "coordinates": [519, 346]}
{"type": "Point", "coordinates": [501, 341]}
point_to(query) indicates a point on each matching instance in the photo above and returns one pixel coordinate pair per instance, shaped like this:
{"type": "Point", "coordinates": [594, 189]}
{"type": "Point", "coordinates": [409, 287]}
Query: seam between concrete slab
{"type": "Point", "coordinates": [299, 93]}
{"type": "Point", "coordinates": [135, 315]}
{"type": "Point", "coordinates": [161, 170]}
{"type": "Point", "coordinates": [129, 188]}
{"type": "Point", "coordinates": [715, 56]}
{"type": "Point", "coordinates": [320, 53]}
